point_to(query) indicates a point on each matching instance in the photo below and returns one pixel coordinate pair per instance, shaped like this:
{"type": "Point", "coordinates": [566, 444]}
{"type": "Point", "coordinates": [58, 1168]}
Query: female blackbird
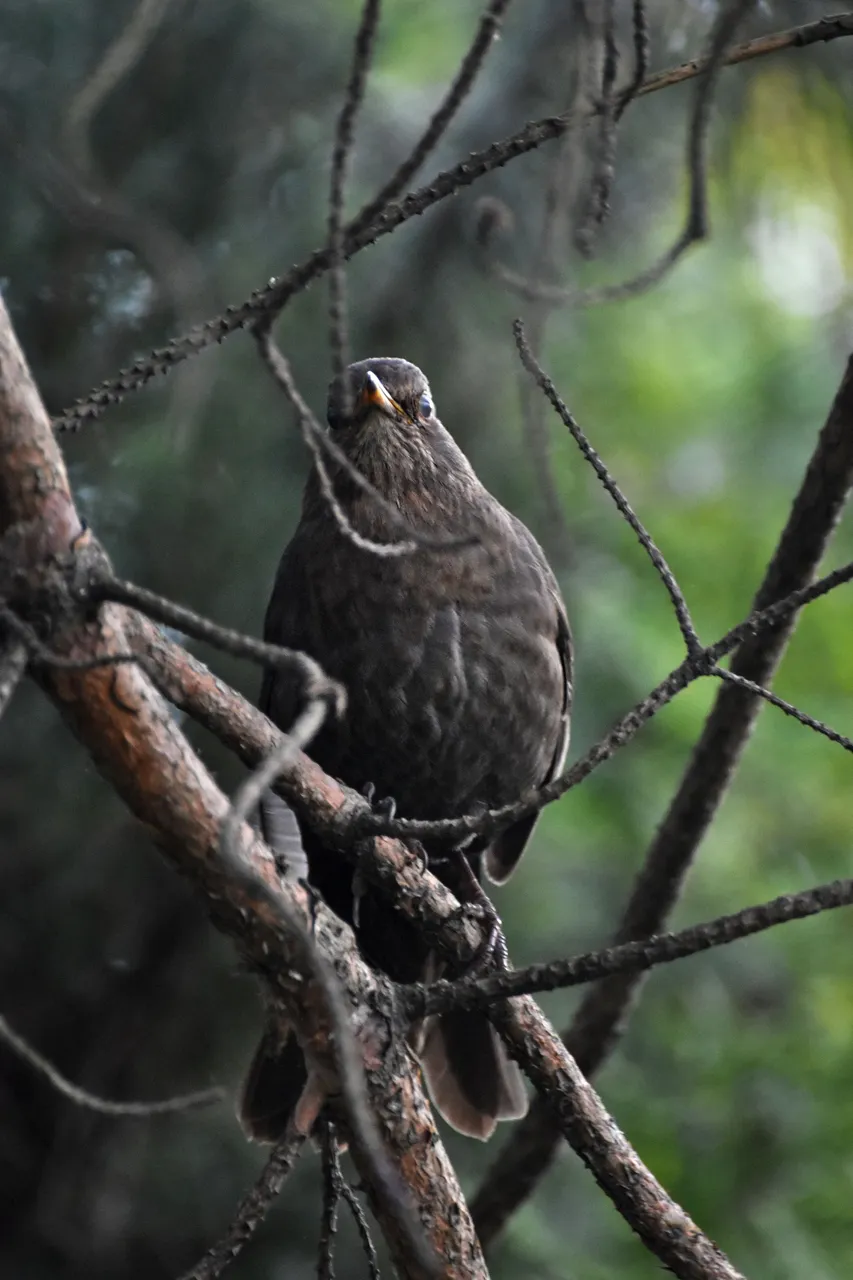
{"type": "Point", "coordinates": [458, 668]}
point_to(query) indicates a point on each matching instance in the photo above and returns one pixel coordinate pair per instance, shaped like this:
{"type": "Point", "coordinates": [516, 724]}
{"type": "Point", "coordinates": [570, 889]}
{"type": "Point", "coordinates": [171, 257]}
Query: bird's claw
{"type": "Point", "coordinates": [492, 952]}
{"type": "Point", "coordinates": [386, 807]}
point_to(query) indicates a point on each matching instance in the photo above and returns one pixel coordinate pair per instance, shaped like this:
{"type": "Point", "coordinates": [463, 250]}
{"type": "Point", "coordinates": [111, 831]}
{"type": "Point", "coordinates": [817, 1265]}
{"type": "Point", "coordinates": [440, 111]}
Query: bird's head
{"type": "Point", "coordinates": [381, 413]}
{"type": "Point", "coordinates": [375, 396]}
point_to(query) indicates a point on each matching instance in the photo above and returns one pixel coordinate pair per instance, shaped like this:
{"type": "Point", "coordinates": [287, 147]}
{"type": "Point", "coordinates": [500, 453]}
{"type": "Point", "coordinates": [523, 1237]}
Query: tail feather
{"type": "Point", "coordinates": [471, 1079]}
{"type": "Point", "coordinates": [273, 1086]}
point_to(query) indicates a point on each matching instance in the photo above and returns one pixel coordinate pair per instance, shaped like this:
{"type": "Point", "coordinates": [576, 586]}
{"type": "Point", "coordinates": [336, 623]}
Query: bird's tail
{"type": "Point", "coordinates": [471, 1079]}
{"type": "Point", "coordinates": [274, 1084]}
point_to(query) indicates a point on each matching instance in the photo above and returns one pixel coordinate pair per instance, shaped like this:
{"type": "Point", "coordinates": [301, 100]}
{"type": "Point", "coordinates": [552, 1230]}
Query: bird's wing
{"type": "Point", "coordinates": [504, 852]}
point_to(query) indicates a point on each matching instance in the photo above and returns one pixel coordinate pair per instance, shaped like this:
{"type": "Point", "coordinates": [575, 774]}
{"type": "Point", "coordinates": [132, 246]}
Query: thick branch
{"type": "Point", "coordinates": [127, 728]}
{"type": "Point", "coordinates": [582, 1120]}
{"type": "Point", "coordinates": [427, 903]}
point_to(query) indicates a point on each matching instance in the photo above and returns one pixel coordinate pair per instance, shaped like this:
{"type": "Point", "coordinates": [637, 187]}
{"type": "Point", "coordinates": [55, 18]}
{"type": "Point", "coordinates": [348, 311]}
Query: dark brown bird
{"type": "Point", "coordinates": [458, 670]}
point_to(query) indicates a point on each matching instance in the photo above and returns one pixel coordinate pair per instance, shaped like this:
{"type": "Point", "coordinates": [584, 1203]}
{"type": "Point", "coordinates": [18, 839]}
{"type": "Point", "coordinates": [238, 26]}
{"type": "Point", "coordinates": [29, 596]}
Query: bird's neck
{"type": "Point", "coordinates": [421, 471]}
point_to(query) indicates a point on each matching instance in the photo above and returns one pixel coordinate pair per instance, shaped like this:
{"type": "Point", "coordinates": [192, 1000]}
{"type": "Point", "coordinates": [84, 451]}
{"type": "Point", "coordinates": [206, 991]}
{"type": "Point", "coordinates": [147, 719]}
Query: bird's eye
{"type": "Point", "coordinates": [425, 407]}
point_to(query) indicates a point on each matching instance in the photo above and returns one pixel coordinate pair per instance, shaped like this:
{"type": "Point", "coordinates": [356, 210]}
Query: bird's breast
{"type": "Point", "coordinates": [453, 703]}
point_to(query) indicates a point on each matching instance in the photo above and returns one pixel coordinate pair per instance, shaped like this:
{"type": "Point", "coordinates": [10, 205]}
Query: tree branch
{"type": "Point", "coordinates": [629, 957]}
{"type": "Point", "coordinates": [815, 512]}
{"type": "Point", "coordinates": [368, 225]}
{"type": "Point", "coordinates": [361, 59]}
{"type": "Point", "coordinates": [584, 1123]}
{"type": "Point", "coordinates": [667, 577]}
{"type": "Point", "coordinates": [136, 744]}
{"type": "Point", "coordinates": [428, 904]}
{"type": "Point", "coordinates": [82, 1097]}
{"type": "Point", "coordinates": [252, 1210]}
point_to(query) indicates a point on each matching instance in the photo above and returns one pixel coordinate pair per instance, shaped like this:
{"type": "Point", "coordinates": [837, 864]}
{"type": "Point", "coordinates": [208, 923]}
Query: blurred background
{"type": "Point", "coordinates": [138, 199]}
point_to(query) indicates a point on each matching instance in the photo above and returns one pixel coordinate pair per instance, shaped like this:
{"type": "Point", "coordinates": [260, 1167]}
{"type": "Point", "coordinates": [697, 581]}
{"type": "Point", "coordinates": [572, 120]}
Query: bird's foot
{"type": "Point", "coordinates": [386, 807]}
{"type": "Point", "coordinates": [493, 951]}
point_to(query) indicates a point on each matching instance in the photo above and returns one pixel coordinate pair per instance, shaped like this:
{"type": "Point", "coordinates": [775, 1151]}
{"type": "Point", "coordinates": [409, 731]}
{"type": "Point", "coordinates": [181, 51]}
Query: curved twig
{"type": "Point", "coordinates": [105, 1107]}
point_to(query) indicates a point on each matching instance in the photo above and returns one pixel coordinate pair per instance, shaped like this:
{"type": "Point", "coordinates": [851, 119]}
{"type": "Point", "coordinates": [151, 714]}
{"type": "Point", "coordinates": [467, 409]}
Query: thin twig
{"type": "Point", "coordinates": [494, 820]}
{"type": "Point", "coordinates": [363, 1229]}
{"type": "Point", "coordinates": [119, 58]}
{"type": "Point", "coordinates": [679, 604]}
{"type": "Point", "coordinates": [560, 198]}
{"type": "Point", "coordinates": [361, 59]}
{"type": "Point", "coordinates": [484, 37]}
{"type": "Point", "coordinates": [82, 1097]}
{"type": "Point", "coordinates": [248, 795]}
{"type": "Point", "coordinates": [319, 442]}
{"type": "Point", "coordinates": [695, 226]}
{"type": "Point", "coordinates": [251, 1211]}
{"type": "Point", "coordinates": [332, 1191]}
{"type": "Point", "coordinates": [40, 652]}
{"type": "Point", "coordinates": [641, 58]}
{"type": "Point", "coordinates": [630, 957]}
{"type": "Point", "coordinates": [788, 707]}
{"type": "Point", "coordinates": [317, 683]}
{"type": "Point", "coordinates": [363, 230]}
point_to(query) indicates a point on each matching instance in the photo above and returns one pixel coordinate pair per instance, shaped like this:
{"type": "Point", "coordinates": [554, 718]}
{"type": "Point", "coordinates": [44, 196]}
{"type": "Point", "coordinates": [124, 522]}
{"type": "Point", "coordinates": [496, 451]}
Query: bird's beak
{"type": "Point", "coordinates": [374, 396]}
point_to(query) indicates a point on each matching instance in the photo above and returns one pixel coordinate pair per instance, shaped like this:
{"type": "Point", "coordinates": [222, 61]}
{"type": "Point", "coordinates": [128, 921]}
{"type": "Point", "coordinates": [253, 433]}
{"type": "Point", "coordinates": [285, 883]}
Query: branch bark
{"type": "Point", "coordinates": [661, 1224]}
{"type": "Point", "coordinates": [127, 729]}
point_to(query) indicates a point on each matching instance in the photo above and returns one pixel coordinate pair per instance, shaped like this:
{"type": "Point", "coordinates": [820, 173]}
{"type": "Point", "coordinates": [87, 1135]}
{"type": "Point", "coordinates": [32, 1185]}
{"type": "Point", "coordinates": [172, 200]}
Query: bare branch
{"type": "Point", "coordinates": [363, 1229]}
{"type": "Point", "coordinates": [820, 32]}
{"type": "Point", "coordinates": [814, 515]}
{"type": "Point", "coordinates": [581, 1118]}
{"type": "Point", "coordinates": [494, 820]}
{"type": "Point", "coordinates": [82, 1097]}
{"type": "Point", "coordinates": [362, 56]}
{"type": "Point", "coordinates": [118, 59]}
{"type": "Point", "coordinates": [426, 902]}
{"type": "Point", "coordinates": [332, 1191]}
{"type": "Point", "coordinates": [641, 57]}
{"type": "Point", "coordinates": [364, 230]}
{"type": "Point", "coordinates": [790, 710]}
{"type": "Point", "coordinates": [138, 746]}
{"type": "Point", "coordinates": [317, 684]}
{"type": "Point", "coordinates": [630, 957]}
{"type": "Point", "coordinates": [679, 604]}
{"type": "Point", "coordinates": [251, 1211]}
{"type": "Point", "coordinates": [604, 147]}
{"type": "Point", "coordinates": [485, 35]}
{"type": "Point", "coordinates": [696, 220]}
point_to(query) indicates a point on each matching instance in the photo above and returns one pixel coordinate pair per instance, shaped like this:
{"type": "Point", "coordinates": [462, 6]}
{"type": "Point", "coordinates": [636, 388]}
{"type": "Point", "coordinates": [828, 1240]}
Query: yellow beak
{"type": "Point", "coordinates": [375, 396]}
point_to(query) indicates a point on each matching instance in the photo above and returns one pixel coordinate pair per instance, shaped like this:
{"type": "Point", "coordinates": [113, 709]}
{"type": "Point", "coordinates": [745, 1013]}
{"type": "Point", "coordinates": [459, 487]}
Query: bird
{"type": "Point", "coordinates": [457, 662]}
